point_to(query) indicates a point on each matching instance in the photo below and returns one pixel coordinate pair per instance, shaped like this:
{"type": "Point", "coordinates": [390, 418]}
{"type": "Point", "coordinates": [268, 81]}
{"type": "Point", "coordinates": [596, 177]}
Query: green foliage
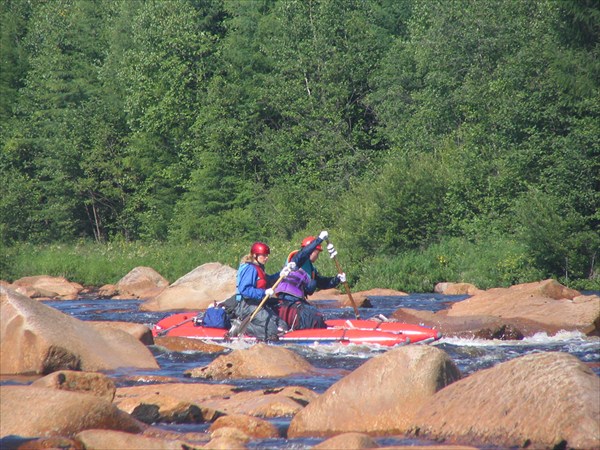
{"type": "Point", "coordinates": [413, 131]}
{"type": "Point", "coordinates": [490, 262]}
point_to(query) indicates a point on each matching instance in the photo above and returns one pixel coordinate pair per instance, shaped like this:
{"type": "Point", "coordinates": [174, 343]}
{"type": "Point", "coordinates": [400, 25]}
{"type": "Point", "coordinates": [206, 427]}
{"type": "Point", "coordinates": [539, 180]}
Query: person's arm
{"type": "Point", "coordinates": [304, 253]}
{"type": "Point", "coordinates": [326, 282]}
{"type": "Point", "coordinates": [247, 283]}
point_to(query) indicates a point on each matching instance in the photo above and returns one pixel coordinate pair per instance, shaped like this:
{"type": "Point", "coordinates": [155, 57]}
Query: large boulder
{"type": "Point", "coordinates": [542, 400]}
{"type": "Point", "coordinates": [510, 313]}
{"type": "Point", "coordinates": [45, 287]}
{"type": "Point", "coordinates": [546, 302]}
{"type": "Point", "coordinates": [380, 397]}
{"type": "Point", "coordinates": [259, 361]}
{"type": "Point", "coordinates": [196, 290]}
{"type": "Point", "coordinates": [141, 282]}
{"type": "Point", "coordinates": [39, 411]}
{"type": "Point", "coordinates": [35, 338]}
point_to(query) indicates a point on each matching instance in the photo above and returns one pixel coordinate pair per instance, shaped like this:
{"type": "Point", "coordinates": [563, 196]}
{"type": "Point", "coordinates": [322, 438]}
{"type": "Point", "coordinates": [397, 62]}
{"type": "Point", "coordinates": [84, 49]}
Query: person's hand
{"type": "Point", "coordinates": [341, 277]}
{"type": "Point", "coordinates": [332, 251]}
{"type": "Point", "coordinates": [285, 271]}
{"type": "Point", "coordinates": [291, 265]}
{"type": "Point", "coordinates": [324, 235]}
{"type": "Point", "coordinates": [269, 292]}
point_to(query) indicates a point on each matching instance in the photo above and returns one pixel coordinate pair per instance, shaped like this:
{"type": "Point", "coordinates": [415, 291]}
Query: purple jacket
{"type": "Point", "coordinates": [298, 283]}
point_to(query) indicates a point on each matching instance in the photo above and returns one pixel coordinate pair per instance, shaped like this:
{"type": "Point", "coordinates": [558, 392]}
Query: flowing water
{"type": "Point", "coordinates": [469, 355]}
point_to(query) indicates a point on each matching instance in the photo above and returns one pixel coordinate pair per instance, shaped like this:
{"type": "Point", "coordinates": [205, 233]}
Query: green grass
{"type": "Point", "coordinates": [494, 262]}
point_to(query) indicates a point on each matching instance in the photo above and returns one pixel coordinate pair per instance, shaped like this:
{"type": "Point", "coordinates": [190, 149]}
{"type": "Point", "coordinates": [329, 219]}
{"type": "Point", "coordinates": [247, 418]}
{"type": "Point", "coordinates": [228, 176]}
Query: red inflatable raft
{"type": "Point", "coordinates": [340, 331]}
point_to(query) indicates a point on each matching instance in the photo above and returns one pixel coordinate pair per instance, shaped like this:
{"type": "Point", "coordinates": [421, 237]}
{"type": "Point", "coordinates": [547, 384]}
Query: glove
{"type": "Point", "coordinates": [324, 235]}
{"type": "Point", "coordinates": [269, 292]}
{"type": "Point", "coordinates": [341, 277]}
{"type": "Point", "coordinates": [285, 271]}
{"type": "Point", "coordinates": [332, 251]}
{"type": "Point", "coordinates": [291, 265]}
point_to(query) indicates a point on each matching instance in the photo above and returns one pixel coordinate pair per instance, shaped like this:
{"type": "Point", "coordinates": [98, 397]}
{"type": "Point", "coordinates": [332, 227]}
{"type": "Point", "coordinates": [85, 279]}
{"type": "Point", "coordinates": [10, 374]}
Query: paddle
{"type": "Point", "coordinates": [339, 269]}
{"type": "Point", "coordinates": [163, 332]}
{"type": "Point", "coordinates": [237, 330]}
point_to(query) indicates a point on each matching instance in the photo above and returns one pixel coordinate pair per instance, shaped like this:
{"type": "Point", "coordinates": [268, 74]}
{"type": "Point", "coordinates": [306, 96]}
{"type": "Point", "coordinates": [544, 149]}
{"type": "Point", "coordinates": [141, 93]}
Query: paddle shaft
{"type": "Point", "coordinates": [247, 320]}
{"type": "Point", "coordinates": [163, 332]}
{"type": "Point", "coordinates": [339, 269]}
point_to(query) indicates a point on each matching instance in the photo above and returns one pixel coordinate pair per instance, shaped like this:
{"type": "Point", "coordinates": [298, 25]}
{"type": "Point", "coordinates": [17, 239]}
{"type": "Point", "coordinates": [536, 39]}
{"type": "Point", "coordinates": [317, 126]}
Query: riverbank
{"type": "Point", "coordinates": [485, 265]}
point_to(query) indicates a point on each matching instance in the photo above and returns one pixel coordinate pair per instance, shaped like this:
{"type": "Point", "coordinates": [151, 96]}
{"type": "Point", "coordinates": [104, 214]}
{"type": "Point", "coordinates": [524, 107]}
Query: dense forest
{"type": "Point", "coordinates": [401, 126]}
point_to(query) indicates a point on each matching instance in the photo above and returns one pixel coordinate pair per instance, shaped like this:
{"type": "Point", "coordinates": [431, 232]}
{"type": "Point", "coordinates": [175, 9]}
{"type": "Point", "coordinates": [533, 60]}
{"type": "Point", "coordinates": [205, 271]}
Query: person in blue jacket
{"type": "Point", "coordinates": [309, 252]}
{"type": "Point", "coordinates": [252, 285]}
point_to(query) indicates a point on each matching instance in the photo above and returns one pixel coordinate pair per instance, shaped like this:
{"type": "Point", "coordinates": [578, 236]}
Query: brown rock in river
{"type": "Point", "coordinates": [259, 361]}
{"type": "Point", "coordinates": [139, 331]}
{"type": "Point", "coordinates": [347, 441]}
{"type": "Point", "coordinates": [38, 411]}
{"type": "Point", "coordinates": [47, 287]}
{"type": "Point", "coordinates": [141, 282]}
{"type": "Point", "coordinates": [525, 310]}
{"type": "Point", "coordinates": [541, 400]}
{"type": "Point", "coordinates": [196, 290]}
{"type": "Point", "coordinates": [110, 439]}
{"type": "Point", "coordinates": [38, 339]}
{"type": "Point", "coordinates": [380, 397]}
{"type": "Point", "coordinates": [250, 425]}
{"type": "Point", "coordinates": [86, 382]}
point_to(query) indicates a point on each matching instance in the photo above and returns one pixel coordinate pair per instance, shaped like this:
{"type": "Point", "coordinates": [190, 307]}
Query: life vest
{"type": "Point", "coordinates": [261, 283]}
{"type": "Point", "coordinates": [294, 284]}
{"type": "Point", "coordinates": [308, 267]}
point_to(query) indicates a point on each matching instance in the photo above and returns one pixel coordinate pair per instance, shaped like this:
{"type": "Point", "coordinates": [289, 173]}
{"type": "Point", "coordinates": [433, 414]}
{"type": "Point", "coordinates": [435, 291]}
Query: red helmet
{"type": "Point", "coordinates": [260, 248]}
{"type": "Point", "coordinates": [307, 240]}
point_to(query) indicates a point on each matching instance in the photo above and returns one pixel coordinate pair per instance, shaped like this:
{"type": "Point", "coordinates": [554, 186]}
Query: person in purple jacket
{"type": "Point", "coordinates": [295, 287]}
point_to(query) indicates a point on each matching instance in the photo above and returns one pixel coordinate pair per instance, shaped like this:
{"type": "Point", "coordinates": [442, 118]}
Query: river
{"type": "Point", "coordinates": [469, 355]}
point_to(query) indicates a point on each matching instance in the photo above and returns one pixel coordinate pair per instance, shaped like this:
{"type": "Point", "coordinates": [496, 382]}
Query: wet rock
{"type": "Point", "coordinates": [380, 397]}
{"type": "Point", "coordinates": [230, 433]}
{"type": "Point", "coordinates": [139, 331]}
{"type": "Point", "coordinates": [503, 332]}
{"type": "Point", "coordinates": [57, 442]}
{"type": "Point", "coordinates": [182, 344]}
{"type": "Point", "coordinates": [109, 439]}
{"type": "Point", "coordinates": [107, 291]}
{"type": "Point", "coordinates": [141, 282]}
{"type": "Point", "coordinates": [249, 425]}
{"type": "Point", "coordinates": [44, 412]}
{"type": "Point", "coordinates": [543, 400]}
{"type": "Point", "coordinates": [525, 309]}
{"type": "Point", "coordinates": [347, 441]}
{"type": "Point", "coordinates": [361, 298]}
{"type": "Point", "coordinates": [545, 302]}
{"type": "Point", "coordinates": [86, 382]}
{"type": "Point", "coordinates": [456, 289]}
{"type": "Point", "coordinates": [35, 338]}
{"type": "Point", "coordinates": [259, 361]}
{"type": "Point", "coordinates": [47, 287]}
{"type": "Point", "coordinates": [172, 402]}
{"type": "Point", "coordinates": [267, 403]}
{"type": "Point", "coordinates": [196, 290]}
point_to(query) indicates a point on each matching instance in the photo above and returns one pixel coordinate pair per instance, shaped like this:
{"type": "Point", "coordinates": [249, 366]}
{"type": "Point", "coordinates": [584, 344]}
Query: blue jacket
{"type": "Point", "coordinates": [247, 277]}
{"type": "Point", "coordinates": [302, 260]}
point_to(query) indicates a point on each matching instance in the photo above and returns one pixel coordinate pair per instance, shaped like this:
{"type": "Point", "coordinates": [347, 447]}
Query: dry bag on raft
{"type": "Point", "coordinates": [216, 317]}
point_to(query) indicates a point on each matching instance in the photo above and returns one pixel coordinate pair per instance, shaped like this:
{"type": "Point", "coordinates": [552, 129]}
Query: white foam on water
{"type": "Point", "coordinates": [536, 339]}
